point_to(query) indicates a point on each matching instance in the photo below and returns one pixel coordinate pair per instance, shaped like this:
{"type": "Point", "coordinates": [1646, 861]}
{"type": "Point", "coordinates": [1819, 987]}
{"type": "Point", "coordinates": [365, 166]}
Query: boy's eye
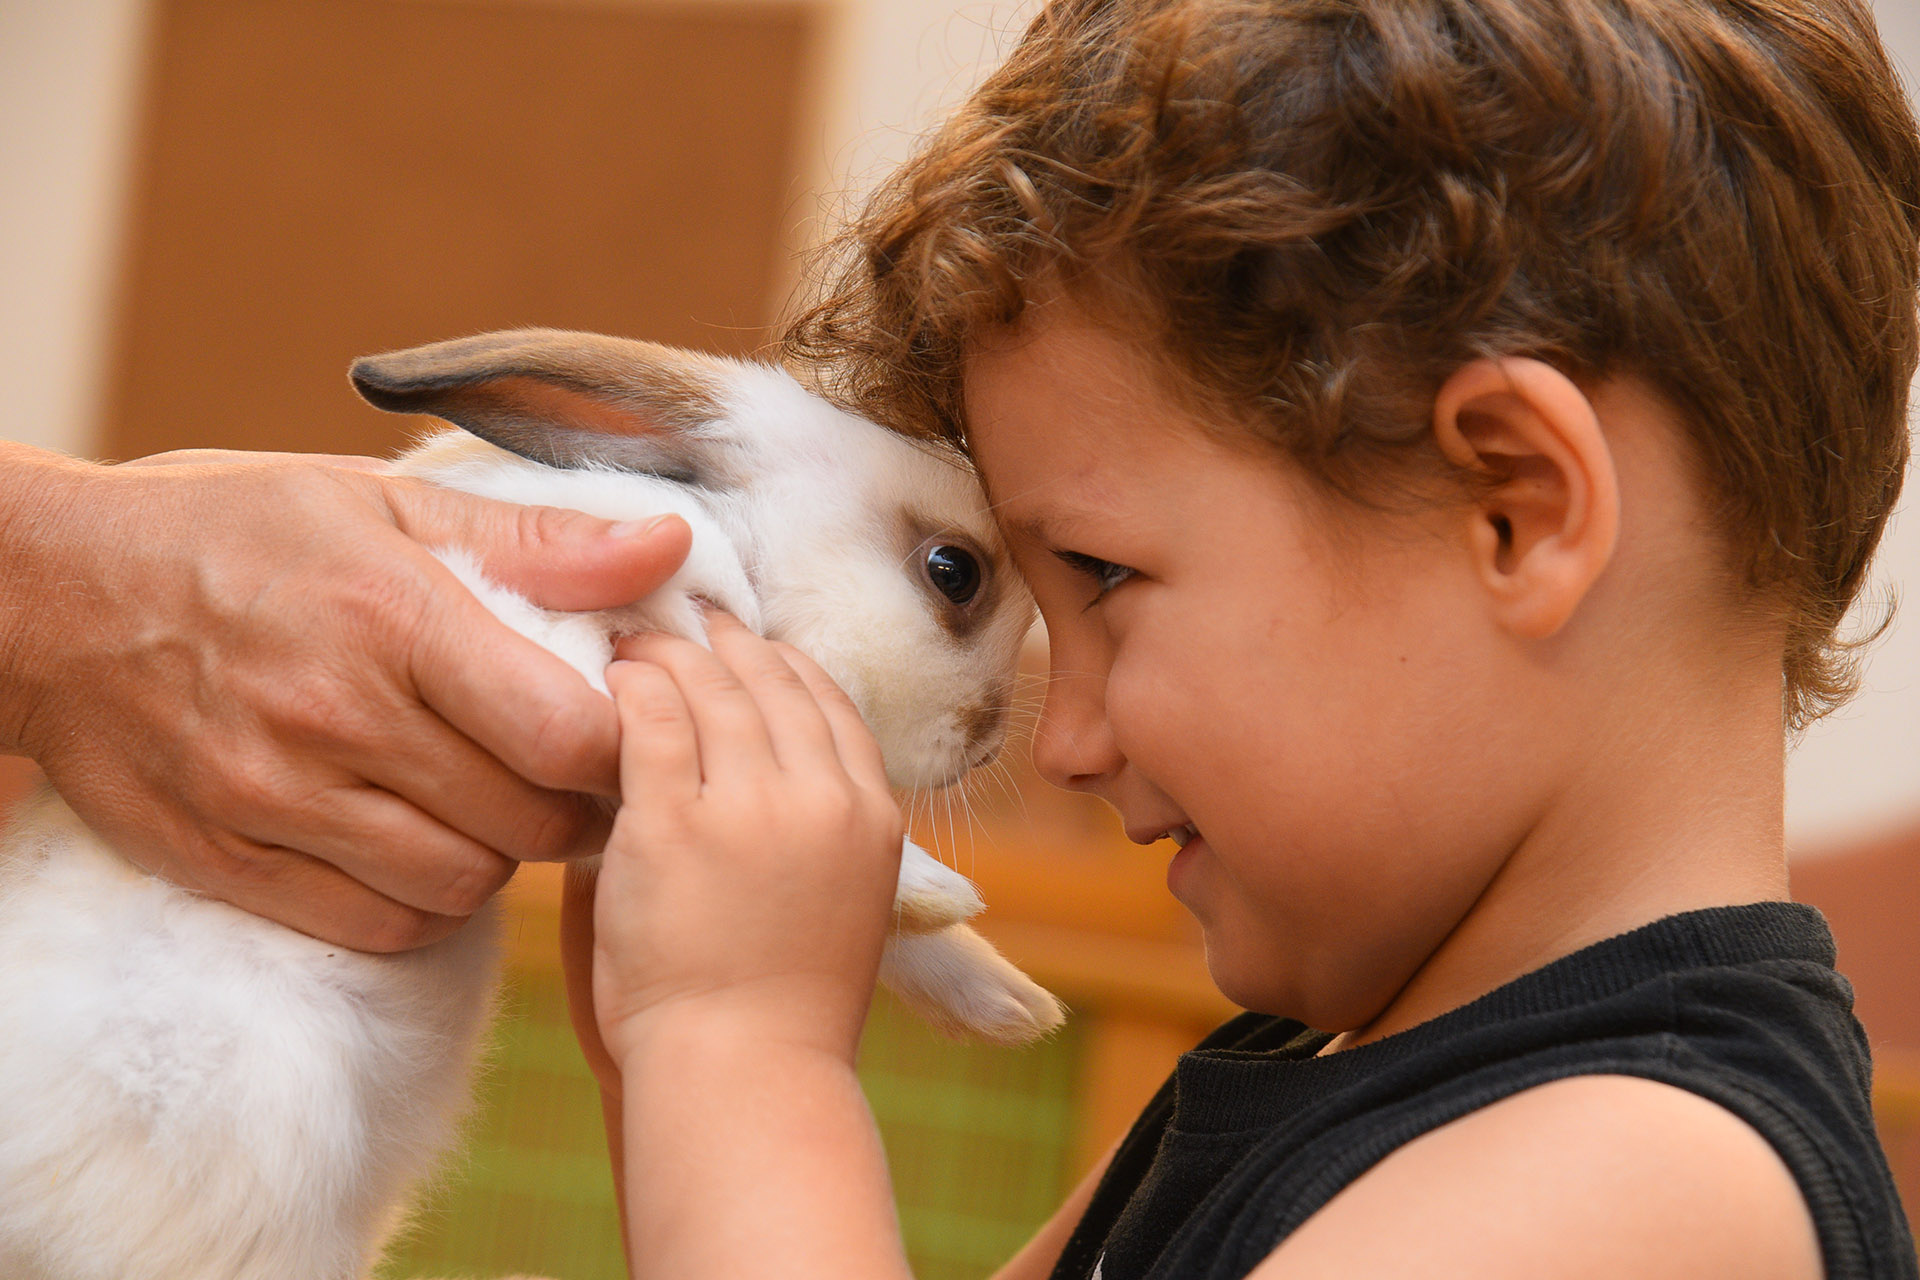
{"type": "Point", "coordinates": [1105, 574]}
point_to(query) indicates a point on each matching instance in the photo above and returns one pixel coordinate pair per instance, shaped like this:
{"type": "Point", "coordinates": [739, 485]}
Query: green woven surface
{"type": "Point", "coordinates": [530, 1191]}
{"type": "Point", "coordinates": [977, 1138]}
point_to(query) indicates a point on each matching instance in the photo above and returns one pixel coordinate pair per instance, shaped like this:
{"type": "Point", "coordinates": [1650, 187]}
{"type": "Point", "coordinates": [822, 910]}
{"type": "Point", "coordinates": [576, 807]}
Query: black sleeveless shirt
{"type": "Point", "coordinates": [1741, 1005]}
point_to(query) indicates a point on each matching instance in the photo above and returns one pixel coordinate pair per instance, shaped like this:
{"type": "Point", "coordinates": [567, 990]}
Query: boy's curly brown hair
{"type": "Point", "coordinates": [1313, 211]}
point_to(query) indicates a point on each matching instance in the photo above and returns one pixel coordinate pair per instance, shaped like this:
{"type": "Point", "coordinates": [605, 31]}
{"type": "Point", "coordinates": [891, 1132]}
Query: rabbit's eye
{"type": "Point", "coordinates": [954, 572]}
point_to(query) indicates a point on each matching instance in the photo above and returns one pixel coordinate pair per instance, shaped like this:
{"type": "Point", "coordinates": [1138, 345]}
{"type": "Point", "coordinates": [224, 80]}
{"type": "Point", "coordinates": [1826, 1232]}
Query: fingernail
{"type": "Point", "coordinates": [637, 528]}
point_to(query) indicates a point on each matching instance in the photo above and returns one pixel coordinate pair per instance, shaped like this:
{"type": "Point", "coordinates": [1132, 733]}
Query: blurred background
{"type": "Point", "coordinates": [208, 207]}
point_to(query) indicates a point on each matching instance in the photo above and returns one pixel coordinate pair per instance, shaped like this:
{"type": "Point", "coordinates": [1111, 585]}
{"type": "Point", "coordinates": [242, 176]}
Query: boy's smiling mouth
{"type": "Point", "coordinates": [1179, 835]}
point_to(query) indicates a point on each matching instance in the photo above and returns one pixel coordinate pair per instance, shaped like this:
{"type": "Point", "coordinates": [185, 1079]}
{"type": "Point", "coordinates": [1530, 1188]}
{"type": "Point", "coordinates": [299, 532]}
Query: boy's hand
{"type": "Point", "coordinates": [751, 872]}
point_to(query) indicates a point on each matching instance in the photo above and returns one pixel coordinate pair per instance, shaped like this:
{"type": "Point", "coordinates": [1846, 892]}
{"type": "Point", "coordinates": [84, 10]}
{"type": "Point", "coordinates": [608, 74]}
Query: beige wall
{"type": "Point", "coordinates": [67, 74]}
{"type": "Point", "coordinates": [1858, 774]}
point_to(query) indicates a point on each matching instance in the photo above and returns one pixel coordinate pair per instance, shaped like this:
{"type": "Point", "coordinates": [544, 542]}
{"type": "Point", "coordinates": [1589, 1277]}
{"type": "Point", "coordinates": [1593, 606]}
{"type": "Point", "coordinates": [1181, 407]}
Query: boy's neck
{"type": "Point", "coordinates": [1678, 807]}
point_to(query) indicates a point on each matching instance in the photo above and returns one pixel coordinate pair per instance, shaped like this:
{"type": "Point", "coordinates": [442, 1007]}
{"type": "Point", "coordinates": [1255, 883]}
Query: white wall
{"type": "Point", "coordinates": [67, 74]}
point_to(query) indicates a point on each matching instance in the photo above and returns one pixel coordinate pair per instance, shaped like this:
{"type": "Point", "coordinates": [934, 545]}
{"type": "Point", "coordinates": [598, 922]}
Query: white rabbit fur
{"type": "Point", "coordinates": [188, 1092]}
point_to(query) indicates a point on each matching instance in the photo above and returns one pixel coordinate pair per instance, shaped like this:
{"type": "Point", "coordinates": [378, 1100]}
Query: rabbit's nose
{"type": "Point", "coordinates": [985, 727]}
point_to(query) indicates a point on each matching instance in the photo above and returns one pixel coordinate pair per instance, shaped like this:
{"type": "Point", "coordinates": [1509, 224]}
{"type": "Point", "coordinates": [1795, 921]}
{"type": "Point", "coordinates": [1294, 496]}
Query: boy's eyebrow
{"type": "Point", "coordinates": [1049, 525]}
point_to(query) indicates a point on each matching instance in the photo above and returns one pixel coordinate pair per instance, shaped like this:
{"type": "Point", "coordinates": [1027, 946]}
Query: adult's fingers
{"type": "Point", "coordinates": [524, 705]}
{"type": "Point", "coordinates": [558, 559]}
{"type": "Point", "coordinates": [450, 778]}
{"type": "Point", "coordinates": [194, 457]}
{"type": "Point", "coordinates": [395, 850]}
{"type": "Point", "coordinates": [320, 900]}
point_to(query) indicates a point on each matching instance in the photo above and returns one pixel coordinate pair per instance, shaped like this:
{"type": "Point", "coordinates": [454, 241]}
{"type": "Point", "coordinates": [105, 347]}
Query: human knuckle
{"type": "Point", "coordinates": [870, 812]}
{"type": "Point", "coordinates": [655, 825]}
{"type": "Point", "coordinates": [832, 805]}
{"type": "Point", "coordinates": [639, 683]}
{"type": "Point", "coordinates": [829, 694]}
{"type": "Point", "coordinates": [251, 787]}
{"type": "Point", "coordinates": [390, 603]}
{"type": "Point", "coordinates": [315, 709]}
{"type": "Point", "coordinates": [300, 487]}
{"type": "Point", "coordinates": [546, 529]}
{"type": "Point", "coordinates": [880, 806]}
{"type": "Point", "coordinates": [761, 796]}
{"type": "Point", "coordinates": [710, 679]}
{"type": "Point", "coordinates": [794, 657]}
{"type": "Point", "coordinates": [671, 829]}
{"type": "Point", "coordinates": [470, 880]}
{"type": "Point", "coordinates": [891, 827]}
{"type": "Point", "coordinates": [555, 830]}
{"type": "Point", "coordinates": [388, 927]}
{"type": "Point", "coordinates": [557, 745]}
{"type": "Point", "coordinates": [234, 865]}
{"type": "Point", "coordinates": [776, 671]}
{"type": "Point", "coordinates": [653, 723]}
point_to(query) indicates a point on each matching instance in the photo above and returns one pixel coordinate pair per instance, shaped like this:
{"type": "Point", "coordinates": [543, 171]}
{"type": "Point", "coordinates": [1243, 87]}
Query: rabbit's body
{"type": "Point", "coordinates": [190, 1092]}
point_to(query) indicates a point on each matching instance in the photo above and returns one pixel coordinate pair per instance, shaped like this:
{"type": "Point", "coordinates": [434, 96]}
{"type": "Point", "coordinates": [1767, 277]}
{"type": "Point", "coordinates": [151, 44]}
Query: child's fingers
{"type": "Point", "coordinates": [854, 742]}
{"type": "Point", "coordinates": [801, 736]}
{"type": "Point", "coordinates": [659, 742]}
{"type": "Point", "coordinates": [727, 721]}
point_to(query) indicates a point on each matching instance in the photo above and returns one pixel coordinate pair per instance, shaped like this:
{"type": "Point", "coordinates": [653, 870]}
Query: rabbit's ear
{"type": "Point", "coordinates": [568, 400]}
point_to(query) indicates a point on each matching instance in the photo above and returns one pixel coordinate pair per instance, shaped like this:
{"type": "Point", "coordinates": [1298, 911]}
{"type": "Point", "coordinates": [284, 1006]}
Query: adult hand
{"type": "Point", "coordinates": [247, 672]}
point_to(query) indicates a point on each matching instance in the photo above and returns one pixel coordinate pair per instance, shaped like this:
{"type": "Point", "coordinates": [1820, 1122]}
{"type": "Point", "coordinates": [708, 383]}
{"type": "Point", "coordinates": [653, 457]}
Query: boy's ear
{"type": "Point", "coordinates": [1546, 516]}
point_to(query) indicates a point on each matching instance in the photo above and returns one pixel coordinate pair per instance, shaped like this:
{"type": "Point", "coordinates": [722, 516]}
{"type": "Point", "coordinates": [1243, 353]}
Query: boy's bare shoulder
{"type": "Point", "coordinates": [1592, 1176]}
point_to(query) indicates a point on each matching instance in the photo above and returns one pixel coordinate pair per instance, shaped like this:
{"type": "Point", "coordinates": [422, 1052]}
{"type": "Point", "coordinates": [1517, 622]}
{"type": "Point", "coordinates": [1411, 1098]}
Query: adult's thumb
{"type": "Point", "coordinates": [556, 558]}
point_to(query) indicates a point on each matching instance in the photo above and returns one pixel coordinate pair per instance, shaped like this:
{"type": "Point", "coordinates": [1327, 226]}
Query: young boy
{"type": "Point", "coordinates": [1443, 437]}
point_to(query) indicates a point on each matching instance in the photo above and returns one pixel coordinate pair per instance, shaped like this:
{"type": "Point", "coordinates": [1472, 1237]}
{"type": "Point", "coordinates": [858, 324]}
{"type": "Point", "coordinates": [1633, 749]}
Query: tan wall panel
{"type": "Point", "coordinates": [324, 178]}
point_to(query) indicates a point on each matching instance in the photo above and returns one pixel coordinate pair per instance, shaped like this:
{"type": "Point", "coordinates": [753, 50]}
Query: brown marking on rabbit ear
{"type": "Point", "coordinates": [568, 399]}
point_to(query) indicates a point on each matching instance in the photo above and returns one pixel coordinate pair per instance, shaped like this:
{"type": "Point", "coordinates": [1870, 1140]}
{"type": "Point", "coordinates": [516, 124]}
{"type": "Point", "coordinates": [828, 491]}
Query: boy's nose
{"type": "Point", "coordinates": [1073, 746]}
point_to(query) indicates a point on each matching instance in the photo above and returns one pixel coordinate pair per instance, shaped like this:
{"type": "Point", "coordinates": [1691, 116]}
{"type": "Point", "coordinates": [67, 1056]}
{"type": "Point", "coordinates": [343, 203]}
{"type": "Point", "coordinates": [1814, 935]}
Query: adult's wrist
{"type": "Point", "coordinates": [39, 494]}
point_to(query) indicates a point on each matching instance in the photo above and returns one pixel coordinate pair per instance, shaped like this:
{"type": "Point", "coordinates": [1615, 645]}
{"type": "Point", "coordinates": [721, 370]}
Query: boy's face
{"type": "Point", "coordinates": [1313, 698]}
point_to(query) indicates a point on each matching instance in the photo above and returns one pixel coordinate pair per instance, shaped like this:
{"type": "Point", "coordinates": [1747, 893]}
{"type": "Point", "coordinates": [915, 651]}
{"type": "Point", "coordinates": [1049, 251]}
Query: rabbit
{"type": "Point", "coordinates": [189, 1092]}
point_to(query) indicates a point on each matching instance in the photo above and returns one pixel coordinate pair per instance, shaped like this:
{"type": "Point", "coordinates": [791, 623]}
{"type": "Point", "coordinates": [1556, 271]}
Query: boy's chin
{"type": "Point", "coordinates": [1252, 985]}
{"type": "Point", "coordinates": [1261, 981]}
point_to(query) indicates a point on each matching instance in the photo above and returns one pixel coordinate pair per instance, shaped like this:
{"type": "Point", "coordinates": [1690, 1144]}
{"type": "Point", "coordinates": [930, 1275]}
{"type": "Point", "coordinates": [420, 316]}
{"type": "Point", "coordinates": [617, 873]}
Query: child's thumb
{"type": "Point", "coordinates": [556, 558]}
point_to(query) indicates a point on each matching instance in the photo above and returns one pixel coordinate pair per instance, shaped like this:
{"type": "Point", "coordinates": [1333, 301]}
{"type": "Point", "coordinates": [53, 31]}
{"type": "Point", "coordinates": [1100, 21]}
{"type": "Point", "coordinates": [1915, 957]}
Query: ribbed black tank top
{"type": "Point", "coordinates": [1740, 1005]}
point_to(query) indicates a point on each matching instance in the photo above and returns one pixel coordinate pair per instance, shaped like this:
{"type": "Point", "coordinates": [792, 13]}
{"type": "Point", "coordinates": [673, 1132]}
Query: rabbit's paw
{"type": "Point", "coordinates": [956, 980]}
{"type": "Point", "coordinates": [931, 895]}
